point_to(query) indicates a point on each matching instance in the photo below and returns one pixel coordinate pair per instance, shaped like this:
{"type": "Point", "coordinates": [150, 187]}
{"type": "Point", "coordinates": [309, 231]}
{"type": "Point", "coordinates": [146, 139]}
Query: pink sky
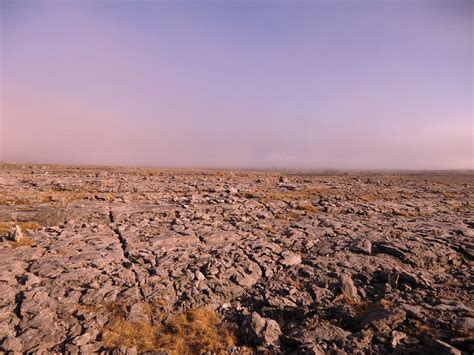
{"type": "Point", "coordinates": [326, 84]}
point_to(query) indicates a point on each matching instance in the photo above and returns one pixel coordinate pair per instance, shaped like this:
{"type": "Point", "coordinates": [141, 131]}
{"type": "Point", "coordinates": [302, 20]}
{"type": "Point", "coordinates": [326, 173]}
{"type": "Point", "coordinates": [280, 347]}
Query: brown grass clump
{"type": "Point", "coordinates": [420, 328]}
{"type": "Point", "coordinates": [193, 332]}
{"type": "Point", "coordinates": [307, 208]}
{"type": "Point", "coordinates": [24, 242]}
{"type": "Point", "coordinates": [455, 205]}
{"type": "Point", "coordinates": [19, 198]}
{"type": "Point", "coordinates": [6, 227]}
{"type": "Point", "coordinates": [29, 226]}
{"type": "Point", "coordinates": [386, 303]}
{"type": "Point", "coordinates": [25, 200]}
{"type": "Point", "coordinates": [61, 196]}
{"type": "Point", "coordinates": [139, 335]}
{"type": "Point", "coordinates": [359, 308]}
{"type": "Point", "coordinates": [406, 213]}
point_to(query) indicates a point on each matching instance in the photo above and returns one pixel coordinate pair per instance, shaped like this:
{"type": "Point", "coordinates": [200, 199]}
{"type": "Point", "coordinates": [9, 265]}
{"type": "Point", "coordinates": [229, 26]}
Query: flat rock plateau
{"type": "Point", "coordinates": [130, 260]}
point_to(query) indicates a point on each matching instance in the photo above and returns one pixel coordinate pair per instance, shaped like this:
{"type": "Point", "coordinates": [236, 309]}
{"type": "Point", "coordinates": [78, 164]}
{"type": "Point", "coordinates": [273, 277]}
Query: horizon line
{"type": "Point", "coordinates": [243, 169]}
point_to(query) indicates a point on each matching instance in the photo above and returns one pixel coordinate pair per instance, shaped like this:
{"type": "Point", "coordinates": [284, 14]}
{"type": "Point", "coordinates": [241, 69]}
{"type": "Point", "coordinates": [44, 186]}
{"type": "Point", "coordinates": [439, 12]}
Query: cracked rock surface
{"type": "Point", "coordinates": [298, 263]}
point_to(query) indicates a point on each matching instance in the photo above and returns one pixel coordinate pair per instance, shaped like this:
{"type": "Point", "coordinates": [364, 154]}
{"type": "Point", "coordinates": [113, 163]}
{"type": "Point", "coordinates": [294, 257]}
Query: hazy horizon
{"type": "Point", "coordinates": [242, 84]}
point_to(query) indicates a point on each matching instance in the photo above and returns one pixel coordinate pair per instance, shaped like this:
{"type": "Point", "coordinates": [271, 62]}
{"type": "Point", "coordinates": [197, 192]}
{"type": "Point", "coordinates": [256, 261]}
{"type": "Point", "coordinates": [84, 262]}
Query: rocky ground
{"type": "Point", "coordinates": [117, 260]}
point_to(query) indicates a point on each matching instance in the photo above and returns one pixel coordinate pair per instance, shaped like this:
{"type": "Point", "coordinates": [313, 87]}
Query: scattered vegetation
{"type": "Point", "coordinates": [53, 195]}
{"type": "Point", "coordinates": [6, 227]}
{"type": "Point", "coordinates": [359, 308]}
{"type": "Point", "coordinates": [406, 213]}
{"type": "Point", "coordinates": [456, 205]}
{"type": "Point", "coordinates": [14, 200]}
{"type": "Point", "coordinates": [307, 207]}
{"type": "Point", "coordinates": [364, 307]}
{"type": "Point", "coordinates": [29, 226]}
{"type": "Point", "coordinates": [193, 332]}
{"type": "Point", "coordinates": [290, 215]}
{"type": "Point", "coordinates": [139, 335]}
{"type": "Point", "coordinates": [24, 242]}
{"type": "Point", "coordinates": [420, 328]}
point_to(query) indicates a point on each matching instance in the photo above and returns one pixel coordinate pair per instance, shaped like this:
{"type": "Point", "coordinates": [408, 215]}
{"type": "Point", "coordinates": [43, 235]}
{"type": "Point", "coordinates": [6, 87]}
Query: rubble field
{"type": "Point", "coordinates": [135, 260]}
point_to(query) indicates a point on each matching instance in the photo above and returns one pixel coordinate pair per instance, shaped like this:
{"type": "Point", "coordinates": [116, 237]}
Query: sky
{"type": "Point", "coordinates": [366, 84]}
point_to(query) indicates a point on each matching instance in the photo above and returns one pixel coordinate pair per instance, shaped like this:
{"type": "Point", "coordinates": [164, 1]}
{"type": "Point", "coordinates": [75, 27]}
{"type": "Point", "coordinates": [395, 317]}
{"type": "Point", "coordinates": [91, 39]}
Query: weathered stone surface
{"type": "Point", "coordinates": [381, 319]}
{"type": "Point", "coordinates": [290, 259]}
{"type": "Point", "coordinates": [263, 331]}
{"type": "Point", "coordinates": [442, 348]}
{"type": "Point", "coordinates": [396, 338]}
{"type": "Point", "coordinates": [355, 263]}
{"type": "Point", "coordinates": [362, 246]}
{"type": "Point", "coordinates": [327, 331]}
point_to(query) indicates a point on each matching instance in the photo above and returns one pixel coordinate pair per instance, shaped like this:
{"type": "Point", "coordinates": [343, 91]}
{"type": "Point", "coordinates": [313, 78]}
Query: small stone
{"type": "Point", "coordinates": [290, 259]}
{"type": "Point", "coordinates": [363, 246]}
{"type": "Point", "coordinates": [413, 310]}
{"type": "Point", "coordinates": [396, 338]}
{"type": "Point", "coordinates": [348, 288]}
{"type": "Point", "coordinates": [264, 331]}
{"type": "Point", "coordinates": [82, 339]}
{"type": "Point", "coordinates": [199, 275]}
{"type": "Point", "coordinates": [16, 234]}
{"type": "Point", "coordinates": [232, 191]}
{"type": "Point", "coordinates": [71, 349]}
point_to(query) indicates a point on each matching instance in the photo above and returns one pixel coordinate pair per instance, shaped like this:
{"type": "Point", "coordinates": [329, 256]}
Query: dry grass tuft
{"type": "Point", "coordinates": [406, 213]}
{"type": "Point", "coordinates": [29, 226]}
{"type": "Point", "coordinates": [19, 198]}
{"type": "Point", "coordinates": [24, 242]}
{"type": "Point", "coordinates": [6, 227]}
{"type": "Point", "coordinates": [139, 335]}
{"type": "Point", "coordinates": [61, 196]}
{"type": "Point", "coordinates": [421, 328]}
{"type": "Point", "coordinates": [193, 332]}
{"type": "Point", "coordinates": [25, 200]}
{"type": "Point", "coordinates": [307, 208]}
{"type": "Point", "coordinates": [368, 197]}
{"type": "Point", "coordinates": [456, 205]}
{"type": "Point", "coordinates": [360, 308]}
